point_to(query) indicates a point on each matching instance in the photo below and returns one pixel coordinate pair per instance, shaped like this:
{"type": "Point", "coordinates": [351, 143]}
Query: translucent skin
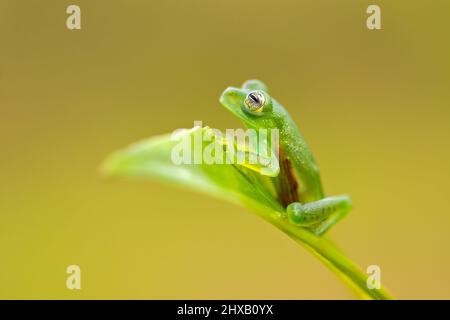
{"type": "Point", "coordinates": [294, 153]}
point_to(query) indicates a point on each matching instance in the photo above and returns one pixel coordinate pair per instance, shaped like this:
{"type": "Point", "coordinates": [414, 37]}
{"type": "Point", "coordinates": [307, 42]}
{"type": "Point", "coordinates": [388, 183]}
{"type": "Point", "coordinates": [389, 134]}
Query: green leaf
{"type": "Point", "coordinates": [241, 184]}
{"type": "Point", "coordinates": [152, 158]}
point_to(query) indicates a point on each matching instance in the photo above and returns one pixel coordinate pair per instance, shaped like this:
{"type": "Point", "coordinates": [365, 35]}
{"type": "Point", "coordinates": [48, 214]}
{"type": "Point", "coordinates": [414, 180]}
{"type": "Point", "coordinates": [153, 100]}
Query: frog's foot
{"type": "Point", "coordinates": [319, 215]}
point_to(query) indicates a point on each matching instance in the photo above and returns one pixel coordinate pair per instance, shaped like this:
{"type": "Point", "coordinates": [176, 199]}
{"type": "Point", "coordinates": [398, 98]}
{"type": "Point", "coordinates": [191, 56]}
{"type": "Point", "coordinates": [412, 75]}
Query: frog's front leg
{"type": "Point", "coordinates": [319, 215]}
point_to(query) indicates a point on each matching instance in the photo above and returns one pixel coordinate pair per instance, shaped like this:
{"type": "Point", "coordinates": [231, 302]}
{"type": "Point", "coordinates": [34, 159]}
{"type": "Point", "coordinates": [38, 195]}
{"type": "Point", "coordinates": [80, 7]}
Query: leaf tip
{"type": "Point", "coordinates": [111, 165]}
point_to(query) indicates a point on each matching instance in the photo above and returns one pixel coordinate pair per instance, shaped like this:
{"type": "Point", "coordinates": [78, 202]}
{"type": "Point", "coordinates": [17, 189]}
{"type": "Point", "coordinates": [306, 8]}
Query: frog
{"type": "Point", "coordinates": [298, 185]}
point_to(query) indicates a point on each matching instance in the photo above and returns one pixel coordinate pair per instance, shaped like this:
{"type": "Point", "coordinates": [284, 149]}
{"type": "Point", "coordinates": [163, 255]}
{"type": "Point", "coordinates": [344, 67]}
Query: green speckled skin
{"type": "Point", "coordinates": [307, 210]}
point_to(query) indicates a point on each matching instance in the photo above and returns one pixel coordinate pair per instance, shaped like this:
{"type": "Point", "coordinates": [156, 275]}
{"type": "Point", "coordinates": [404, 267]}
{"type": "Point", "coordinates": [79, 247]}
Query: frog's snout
{"type": "Point", "coordinates": [232, 97]}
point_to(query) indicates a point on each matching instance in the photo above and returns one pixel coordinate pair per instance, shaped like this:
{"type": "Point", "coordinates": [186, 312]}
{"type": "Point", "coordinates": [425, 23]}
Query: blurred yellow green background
{"type": "Point", "coordinates": [373, 105]}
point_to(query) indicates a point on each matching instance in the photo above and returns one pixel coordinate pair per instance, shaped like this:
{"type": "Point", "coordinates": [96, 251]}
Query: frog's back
{"type": "Point", "coordinates": [297, 151]}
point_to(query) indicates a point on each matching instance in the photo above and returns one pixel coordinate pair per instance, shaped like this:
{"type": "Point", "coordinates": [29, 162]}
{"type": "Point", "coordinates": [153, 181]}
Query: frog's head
{"type": "Point", "coordinates": [251, 103]}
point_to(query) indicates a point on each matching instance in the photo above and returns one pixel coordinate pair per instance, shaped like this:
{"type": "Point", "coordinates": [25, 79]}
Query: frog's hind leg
{"type": "Point", "coordinates": [319, 215]}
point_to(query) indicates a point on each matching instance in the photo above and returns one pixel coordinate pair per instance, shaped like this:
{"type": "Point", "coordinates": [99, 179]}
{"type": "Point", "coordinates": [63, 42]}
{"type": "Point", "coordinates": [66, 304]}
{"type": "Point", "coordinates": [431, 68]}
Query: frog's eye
{"type": "Point", "coordinates": [255, 101]}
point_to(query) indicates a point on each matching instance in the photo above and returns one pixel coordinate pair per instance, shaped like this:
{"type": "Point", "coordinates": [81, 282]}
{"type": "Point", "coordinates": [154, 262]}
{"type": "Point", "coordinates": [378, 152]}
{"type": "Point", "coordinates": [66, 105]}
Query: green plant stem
{"type": "Point", "coordinates": [333, 258]}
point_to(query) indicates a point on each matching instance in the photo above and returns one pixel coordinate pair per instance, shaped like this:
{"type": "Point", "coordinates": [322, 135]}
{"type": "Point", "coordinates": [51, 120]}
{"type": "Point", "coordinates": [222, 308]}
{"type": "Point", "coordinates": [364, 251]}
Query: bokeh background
{"type": "Point", "coordinates": [373, 105]}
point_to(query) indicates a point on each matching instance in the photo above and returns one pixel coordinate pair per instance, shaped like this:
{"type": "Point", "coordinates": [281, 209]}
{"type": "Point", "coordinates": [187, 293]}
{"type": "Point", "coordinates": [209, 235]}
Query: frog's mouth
{"type": "Point", "coordinates": [232, 99]}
